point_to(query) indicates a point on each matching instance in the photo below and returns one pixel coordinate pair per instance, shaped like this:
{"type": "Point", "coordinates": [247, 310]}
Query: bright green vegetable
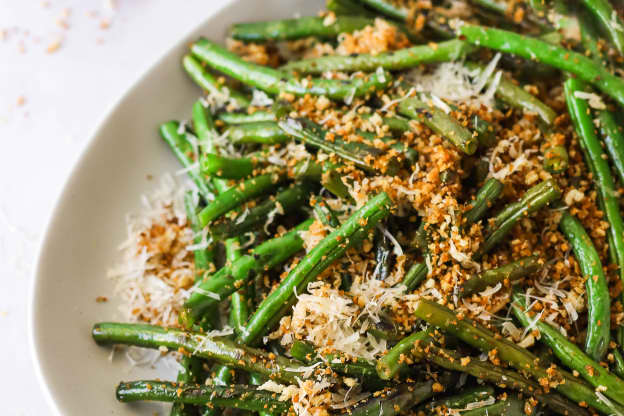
{"type": "Point", "coordinates": [479, 337]}
{"type": "Point", "coordinates": [261, 132]}
{"type": "Point", "coordinates": [220, 350]}
{"type": "Point", "coordinates": [235, 196]}
{"type": "Point", "coordinates": [569, 354]}
{"type": "Point", "coordinates": [598, 299]}
{"type": "Point", "coordinates": [348, 8]}
{"type": "Point", "coordinates": [533, 200]}
{"type": "Point", "coordinates": [459, 401]}
{"type": "Point", "coordinates": [283, 203]}
{"type": "Point", "coordinates": [203, 258]}
{"type": "Point", "coordinates": [416, 274]}
{"type": "Point", "coordinates": [229, 278]}
{"type": "Point", "coordinates": [274, 82]}
{"type": "Point", "coordinates": [440, 122]}
{"type": "Point", "coordinates": [529, 48]}
{"type": "Point", "coordinates": [502, 377]}
{"type": "Point", "coordinates": [555, 156]}
{"type": "Point", "coordinates": [509, 407]}
{"type": "Point", "coordinates": [447, 51]}
{"type": "Point", "coordinates": [326, 174]}
{"type": "Point", "coordinates": [318, 259]}
{"type": "Point", "coordinates": [208, 83]}
{"type": "Point", "coordinates": [397, 400]}
{"type": "Point", "coordinates": [610, 21]}
{"type": "Point", "coordinates": [596, 160]}
{"type": "Point", "coordinates": [390, 364]}
{"type": "Point", "coordinates": [182, 148]}
{"type": "Point", "coordinates": [485, 197]}
{"type": "Point", "coordinates": [360, 154]}
{"type": "Point", "coordinates": [360, 368]}
{"type": "Point", "coordinates": [227, 167]}
{"type": "Point", "coordinates": [189, 373]}
{"type": "Point", "coordinates": [243, 117]}
{"type": "Point", "coordinates": [234, 396]}
{"type": "Point", "coordinates": [611, 132]}
{"type": "Point", "coordinates": [303, 27]}
{"type": "Point", "coordinates": [509, 272]}
{"type": "Point", "coordinates": [517, 97]}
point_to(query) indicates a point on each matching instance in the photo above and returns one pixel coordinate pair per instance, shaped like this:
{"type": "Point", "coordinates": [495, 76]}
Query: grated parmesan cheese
{"type": "Point", "coordinates": [593, 99]}
{"type": "Point", "coordinates": [327, 317]}
{"type": "Point", "coordinates": [151, 289]}
{"type": "Point", "coordinates": [454, 81]}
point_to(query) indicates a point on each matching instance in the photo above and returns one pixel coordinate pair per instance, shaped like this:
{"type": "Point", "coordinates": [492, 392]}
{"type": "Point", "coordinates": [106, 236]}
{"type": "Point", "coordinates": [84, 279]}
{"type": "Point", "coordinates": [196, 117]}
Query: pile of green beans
{"type": "Point", "coordinates": [267, 173]}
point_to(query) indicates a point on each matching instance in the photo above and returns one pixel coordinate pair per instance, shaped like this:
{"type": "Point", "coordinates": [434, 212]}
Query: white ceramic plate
{"type": "Point", "coordinates": [89, 223]}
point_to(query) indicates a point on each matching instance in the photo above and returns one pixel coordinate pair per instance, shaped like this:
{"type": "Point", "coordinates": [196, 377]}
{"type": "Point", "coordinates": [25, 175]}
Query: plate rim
{"type": "Point", "coordinates": [44, 242]}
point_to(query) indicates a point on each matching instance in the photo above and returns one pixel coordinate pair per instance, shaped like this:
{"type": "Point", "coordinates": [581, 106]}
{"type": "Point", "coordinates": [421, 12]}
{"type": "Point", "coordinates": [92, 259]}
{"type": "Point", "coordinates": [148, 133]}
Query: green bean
{"type": "Point", "coordinates": [183, 150]}
{"type": "Point", "coordinates": [598, 299]}
{"type": "Point", "coordinates": [459, 401]}
{"type": "Point", "coordinates": [416, 274]}
{"type": "Point", "coordinates": [243, 117]}
{"type": "Point", "coordinates": [507, 273]}
{"type": "Point", "coordinates": [410, 155]}
{"type": "Point", "coordinates": [390, 364]}
{"type": "Point", "coordinates": [235, 196]}
{"type": "Point", "coordinates": [203, 124]}
{"type": "Point", "coordinates": [208, 83]}
{"type": "Point", "coordinates": [447, 51]}
{"type": "Point", "coordinates": [227, 167]}
{"type": "Point", "coordinates": [440, 122]}
{"type": "Point", "coordinates": [261, 132]}
{"type": "Point", "coordinates": [302, 27]}
{"type": "Point", "coordinates": [396, 124]}
{"type": "Point", "coordinates": [284, 202]}
{"type": "Point", "coordinates": [611, 132]}
{"type": "Point", "coordinates": [569, 354]}
{"type": "Point", "coordinates": [590, 38]}
{"type": "Point", "coordinates": [601, 172]}
{"type": "Point", "coordinates": [485, 197]}
{"type": "Point", "coordinates": [387, 8]}
{"type": "Point", "coordinates": [325, 214]}
{"type": "Point", "coordinates": [203, 258]}
{"type": "Point", "coordinates": [555, 156]}
{"type": "Point", "coordinates": [483, 370]}
{"type": "Point", "coordinates": [239, 311]}
{"type": "Point", "coordinates": [318, 259]}
{"type": "Point", "coordinates": [351, 8]}
{"type": "Point", "coordinates": [359, 368]}
{"type": "Point", "coordinates": [230, 277]}
{"type": "Point", "coordinates": [189, 373]}
{"type": "Point", "coordinates": [581, 66]}
{"type": "Point", "coordinates": [534, 199]}
{"type": "Point", "coordinates": [618, 365]}
{"type": "Point", "coordinates": [396, 400]}
{"type": "Point", "coordinates": [510, 406]}
{"type": "Point", "coordinates": [273, 81]}
{"type": "Point", "coordinates": [480, 337]}
{"type": "Point", "coordinates": [610, 21]}
{"type": "Point", "coordinates": [501, 8]}
{"type": "Point", "coordinates": [221, 350]}
{"type": "Point", "coordinates": [348, 8]}
{"type": "Point", "coordinates": [235, 396]}
{"type": "Point", "coordinates": [360, 154]}
{"type": "Point", "coordinates": [326, 174]}
{"type": "Point", "coordinates": [517, 97]}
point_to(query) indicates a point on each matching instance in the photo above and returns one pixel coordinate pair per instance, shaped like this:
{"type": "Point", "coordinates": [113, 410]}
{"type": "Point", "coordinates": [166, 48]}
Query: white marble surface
{"type": "Point", "coordinates": [50, 102]}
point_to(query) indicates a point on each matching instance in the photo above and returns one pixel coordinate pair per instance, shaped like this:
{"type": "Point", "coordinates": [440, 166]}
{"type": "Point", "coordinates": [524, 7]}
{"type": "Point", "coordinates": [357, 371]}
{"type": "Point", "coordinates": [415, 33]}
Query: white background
{"type": "Point", "coordinates": [49, 105]}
